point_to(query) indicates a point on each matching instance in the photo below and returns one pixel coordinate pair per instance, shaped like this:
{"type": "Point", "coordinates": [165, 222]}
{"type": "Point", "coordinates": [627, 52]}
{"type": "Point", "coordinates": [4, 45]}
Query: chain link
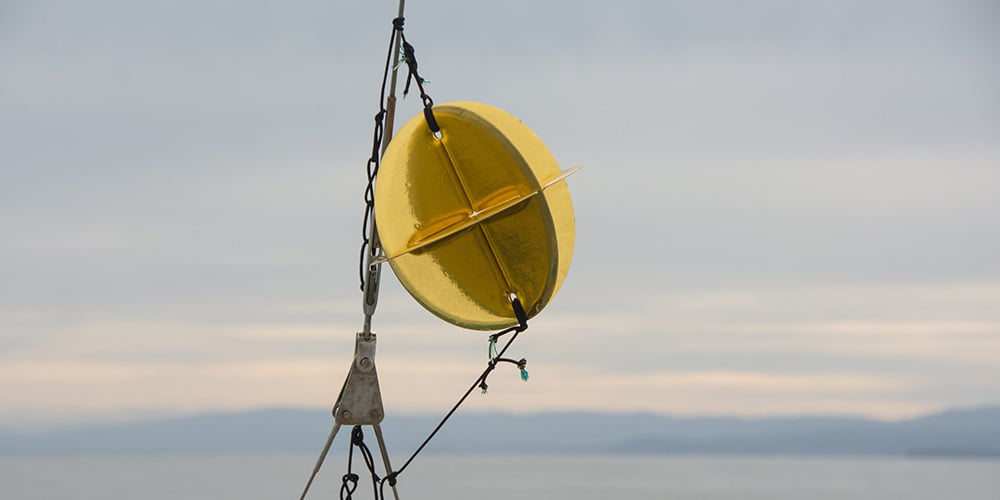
{"type": "Point", "coordinates": [370, 248]}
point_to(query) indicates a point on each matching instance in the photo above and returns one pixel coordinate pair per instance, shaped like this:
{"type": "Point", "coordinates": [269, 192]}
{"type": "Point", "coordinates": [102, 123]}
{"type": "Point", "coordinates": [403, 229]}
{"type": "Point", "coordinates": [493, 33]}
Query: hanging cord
{"type": "Point", "coordinates": [350, 480]}
{"type": "Point", "coordinates": [409, 56]}
{"type": "Point", "coordinates": [522, 320]}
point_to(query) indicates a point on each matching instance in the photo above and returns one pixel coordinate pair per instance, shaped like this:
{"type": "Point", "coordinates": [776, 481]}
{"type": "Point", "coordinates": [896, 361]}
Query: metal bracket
{"type": "Point", "coordinates": [359, 403]}
{"type": "Point", "coordinates": [360, 400]}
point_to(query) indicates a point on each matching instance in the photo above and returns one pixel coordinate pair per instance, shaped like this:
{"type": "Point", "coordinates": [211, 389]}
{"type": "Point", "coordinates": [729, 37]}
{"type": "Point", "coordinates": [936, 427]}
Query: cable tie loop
{"type": "Point", "coordinates": [431, 121]}
{"type": "Point", "coordinates": [522, 317]}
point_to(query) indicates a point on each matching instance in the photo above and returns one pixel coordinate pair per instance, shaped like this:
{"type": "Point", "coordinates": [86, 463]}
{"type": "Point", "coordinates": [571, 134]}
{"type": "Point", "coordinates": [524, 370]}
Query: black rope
{"type": "Point", "coordinates": [350, 479]}
{"type": "Point", "coordinates": [349, 482]}
{"type": "Point", "coordinates": [358, 439]}
{"type": "Point", "coordinates": [522, 320]}
{"type": "Point", "coordinates": [409, 56]}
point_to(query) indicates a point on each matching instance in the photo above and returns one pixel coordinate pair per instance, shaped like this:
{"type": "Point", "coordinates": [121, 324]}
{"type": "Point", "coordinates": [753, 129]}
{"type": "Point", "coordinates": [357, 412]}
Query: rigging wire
{"type": "Point", "coordinates": [522, 319]}
{"type": "Point", "coordinates": [370, 249]}
{"type": "Point", "coordinates": [349, 480]}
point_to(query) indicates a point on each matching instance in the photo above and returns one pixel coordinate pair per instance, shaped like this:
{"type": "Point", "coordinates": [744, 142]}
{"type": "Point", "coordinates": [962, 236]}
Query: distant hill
{"type": "Point", "coordinates": [970, 432]}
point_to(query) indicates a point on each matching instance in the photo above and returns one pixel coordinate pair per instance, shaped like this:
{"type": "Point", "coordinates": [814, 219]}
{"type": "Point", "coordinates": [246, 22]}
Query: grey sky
{"type": "Point", "coordinates": [785, 207]}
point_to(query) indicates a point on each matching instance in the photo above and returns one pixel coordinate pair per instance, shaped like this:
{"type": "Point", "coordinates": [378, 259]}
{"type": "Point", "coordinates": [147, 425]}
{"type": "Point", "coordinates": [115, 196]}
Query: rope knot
{"type": "Point", "coordinates": [409, 56]}
{"type": "Point", "coordinates": [357, 436]}
{"type": "Point", "coordinates": [397, 23]}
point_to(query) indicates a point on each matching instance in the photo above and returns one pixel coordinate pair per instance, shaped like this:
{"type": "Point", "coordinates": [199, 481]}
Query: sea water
{"type": "Point", "coordinates": [496, 477]}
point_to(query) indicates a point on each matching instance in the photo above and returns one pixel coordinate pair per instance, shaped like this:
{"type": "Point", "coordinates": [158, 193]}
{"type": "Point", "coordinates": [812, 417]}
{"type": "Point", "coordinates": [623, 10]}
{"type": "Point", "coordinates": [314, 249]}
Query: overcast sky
{"type": "Point", "coordinates": [786, 207]}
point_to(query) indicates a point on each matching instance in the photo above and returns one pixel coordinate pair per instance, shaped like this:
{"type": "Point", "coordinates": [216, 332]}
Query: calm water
{"type": "Point", "coordinates": [588, 477]}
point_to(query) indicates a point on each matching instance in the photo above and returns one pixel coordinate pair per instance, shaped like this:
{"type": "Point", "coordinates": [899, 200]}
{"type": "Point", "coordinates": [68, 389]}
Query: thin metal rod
{"type": "Point", "coordinates": [322, 457]}
{"type": "Point", "coordinates": [385, 456]}
{"type": "Point", "coordinates": [390, 107]}
{"type": "Point", "coordinates": [373, 275]}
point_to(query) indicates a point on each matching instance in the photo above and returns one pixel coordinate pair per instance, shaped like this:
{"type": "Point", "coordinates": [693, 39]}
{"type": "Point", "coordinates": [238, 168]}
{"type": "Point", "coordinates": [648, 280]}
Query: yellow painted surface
{"type": "Point", "coordinates": [473, 216]}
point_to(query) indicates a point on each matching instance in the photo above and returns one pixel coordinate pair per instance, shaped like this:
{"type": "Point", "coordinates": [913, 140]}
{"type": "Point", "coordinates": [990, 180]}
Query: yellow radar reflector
{"type": "Point", "coordinates": [473, 215]}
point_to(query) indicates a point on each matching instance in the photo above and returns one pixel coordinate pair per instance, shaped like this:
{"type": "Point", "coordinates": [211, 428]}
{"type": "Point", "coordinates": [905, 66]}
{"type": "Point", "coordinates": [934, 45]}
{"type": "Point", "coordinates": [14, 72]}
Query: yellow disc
{"type": "Point", "coordinates": [471, 217]}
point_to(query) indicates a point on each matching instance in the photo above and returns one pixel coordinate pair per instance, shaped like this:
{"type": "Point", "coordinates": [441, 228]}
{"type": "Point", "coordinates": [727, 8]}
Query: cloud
{"type": "Point", "coordinates": [730, 352]}
{"type": "Point", "coordinates": [773, 195]}
{"type": "Point", "coordinates": [73, 391]}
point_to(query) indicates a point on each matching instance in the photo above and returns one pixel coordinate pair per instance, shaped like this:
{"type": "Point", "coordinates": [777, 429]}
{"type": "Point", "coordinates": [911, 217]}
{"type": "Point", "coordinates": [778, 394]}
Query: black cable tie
{"type": "Point", "coordinates": [397, 23]}
{"type": "Point", "coordinates": [522, 317]}
{"type": "Point", "coordinates": [431, 121]}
